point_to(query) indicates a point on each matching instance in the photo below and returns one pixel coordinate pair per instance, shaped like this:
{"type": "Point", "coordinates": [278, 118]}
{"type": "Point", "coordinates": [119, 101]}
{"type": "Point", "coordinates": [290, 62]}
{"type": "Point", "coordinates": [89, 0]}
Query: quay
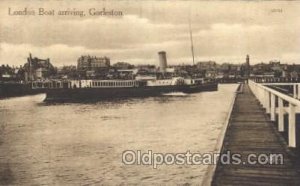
{"type": "Point", "coordinates": [252, 129]}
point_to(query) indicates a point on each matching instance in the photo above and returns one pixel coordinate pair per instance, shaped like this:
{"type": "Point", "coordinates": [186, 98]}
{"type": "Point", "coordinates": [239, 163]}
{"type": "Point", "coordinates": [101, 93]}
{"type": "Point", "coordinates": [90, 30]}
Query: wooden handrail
{"type": "Point", "coordinates": [267, 97]}
{"type": "Point", "coordinates": [279, 94]}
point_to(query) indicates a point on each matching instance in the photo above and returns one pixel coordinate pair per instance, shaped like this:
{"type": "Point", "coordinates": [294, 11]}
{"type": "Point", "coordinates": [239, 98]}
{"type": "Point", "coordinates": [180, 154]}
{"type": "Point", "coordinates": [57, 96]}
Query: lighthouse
{"type": "Point", "coordinates": [247, 66]}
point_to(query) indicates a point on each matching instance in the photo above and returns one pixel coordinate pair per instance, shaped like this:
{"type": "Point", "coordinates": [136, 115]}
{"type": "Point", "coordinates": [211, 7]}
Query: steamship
{"type": "Point", "coordinates": [14, 89]}
{"type": "Point", "coordinates": [141, 86]}
{"type": "Point", "coordinates": [84, 90]}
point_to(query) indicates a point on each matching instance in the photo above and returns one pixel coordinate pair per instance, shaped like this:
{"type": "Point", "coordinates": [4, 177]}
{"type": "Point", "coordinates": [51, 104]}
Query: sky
{"type": "Point", "coordinates": [223, 31]}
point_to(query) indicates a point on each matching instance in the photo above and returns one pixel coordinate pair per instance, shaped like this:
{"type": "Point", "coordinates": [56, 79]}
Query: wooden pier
{"type": "Point", "coordinates": [250, 131]}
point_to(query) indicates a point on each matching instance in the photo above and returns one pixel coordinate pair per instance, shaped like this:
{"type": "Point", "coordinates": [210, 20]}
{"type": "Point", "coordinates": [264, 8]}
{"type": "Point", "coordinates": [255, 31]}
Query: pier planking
{"type": "Point", "coordinates": [251, 131]}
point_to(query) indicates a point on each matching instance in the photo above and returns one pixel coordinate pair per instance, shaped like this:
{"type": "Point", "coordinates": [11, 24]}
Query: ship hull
{"type": "Point", "coordinates": [17, 89]}
{"type": "Point", "coordinates": [91, 94]}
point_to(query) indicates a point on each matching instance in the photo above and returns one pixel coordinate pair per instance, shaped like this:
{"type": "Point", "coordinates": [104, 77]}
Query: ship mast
{"type": "Point", "coordinates": [191, 37]}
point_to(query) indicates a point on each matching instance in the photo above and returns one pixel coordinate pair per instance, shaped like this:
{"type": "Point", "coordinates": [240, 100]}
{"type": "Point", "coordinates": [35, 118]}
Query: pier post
{"type": "Point", "coordinates": [267, 101]}
{"type": "Point", "coordinates": [280, 115]}
{"type": "Point", "coordinates": [295, 90]}
{"type": "Point", "coordinates": [272, 112]}
{"type": "Point", "coordinates": [298, 97]}
{"type": "Point", "coordinates": [260, 94]}
{"type": "Point", "coordinates": [292, 126]}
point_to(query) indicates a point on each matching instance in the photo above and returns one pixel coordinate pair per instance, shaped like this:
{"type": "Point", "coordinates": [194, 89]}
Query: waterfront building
{"type": "Point", "coordinates": [294, 74]}
{"type": "Point", "coordinates": [123, 65]}
{"type": "Point", "coordinates": [92, 62]}
{"type": "Point", "coordinates": [206, 65]}
{"type": "Point", "coordinates": [37, 68]}
{"type": "Point", "coordinates": [211, 73]}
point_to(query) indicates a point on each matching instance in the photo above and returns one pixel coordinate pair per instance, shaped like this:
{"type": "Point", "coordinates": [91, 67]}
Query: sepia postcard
{"type": "Point", "coordinates": [153, 92]}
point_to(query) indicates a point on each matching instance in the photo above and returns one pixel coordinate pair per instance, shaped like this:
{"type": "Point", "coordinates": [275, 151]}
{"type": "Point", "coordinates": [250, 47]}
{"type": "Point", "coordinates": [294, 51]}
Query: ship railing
{"type": "Point", "coordinates": [40, 84]}
{"type": "Point", "coordinates": [277, 103]}
{"type": "Point", "coordinates": [112, 83]}
{"type": "Point", "coordinates": [71, 84]}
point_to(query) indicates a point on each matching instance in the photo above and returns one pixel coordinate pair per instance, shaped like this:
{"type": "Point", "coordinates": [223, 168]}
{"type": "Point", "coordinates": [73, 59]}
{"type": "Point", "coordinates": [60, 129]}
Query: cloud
{"type": "Point", "coordinates": [225, 31]}
{"type": "Point", "coordinates": [61, 54]}
{"type": "Point", "coordinates": [101, 33]}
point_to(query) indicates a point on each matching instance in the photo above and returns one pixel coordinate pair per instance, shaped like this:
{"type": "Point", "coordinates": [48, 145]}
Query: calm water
{"type": "Point", "coordinates": [82, 144]}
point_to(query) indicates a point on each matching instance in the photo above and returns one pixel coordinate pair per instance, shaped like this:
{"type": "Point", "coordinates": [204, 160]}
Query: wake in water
{"type": "Point", "coordinates": [175, 94]}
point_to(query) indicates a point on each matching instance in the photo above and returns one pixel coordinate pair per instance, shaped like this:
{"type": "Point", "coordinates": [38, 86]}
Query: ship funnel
{"type": "Point", "coordinates": [162, 61]}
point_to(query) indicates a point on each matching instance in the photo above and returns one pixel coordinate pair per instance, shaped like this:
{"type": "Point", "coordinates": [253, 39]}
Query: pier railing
{"type": "Point", "coordinates": [296, 87]}
{"type": "Point", "coordinates": [275, 80]}
{"type": "Point", "coordinates": [277, 103]}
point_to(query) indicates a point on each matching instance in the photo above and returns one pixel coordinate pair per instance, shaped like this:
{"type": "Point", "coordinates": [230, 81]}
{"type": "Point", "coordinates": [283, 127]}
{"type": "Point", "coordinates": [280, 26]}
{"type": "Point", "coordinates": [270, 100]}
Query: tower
{"type": "Point", "coordinates": [247, 60]}
{"type": "Point", "coordinates": [247, 66]}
